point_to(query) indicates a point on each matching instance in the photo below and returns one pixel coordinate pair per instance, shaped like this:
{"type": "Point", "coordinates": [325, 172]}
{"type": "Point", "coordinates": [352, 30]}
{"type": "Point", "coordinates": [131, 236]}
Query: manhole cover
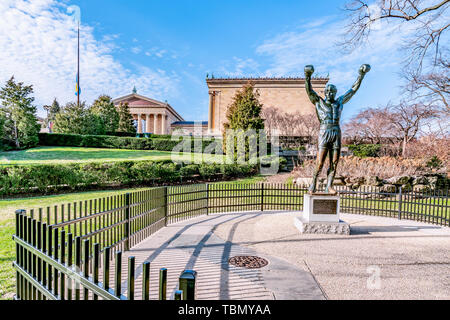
{"type": "Point", "coordinates": [249, 262]}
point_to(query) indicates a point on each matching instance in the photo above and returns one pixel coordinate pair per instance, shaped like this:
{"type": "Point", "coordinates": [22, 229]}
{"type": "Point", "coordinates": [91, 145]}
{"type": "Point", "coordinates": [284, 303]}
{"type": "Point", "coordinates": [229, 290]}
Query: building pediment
{"type": "Point", "coordinates": [137, 101]}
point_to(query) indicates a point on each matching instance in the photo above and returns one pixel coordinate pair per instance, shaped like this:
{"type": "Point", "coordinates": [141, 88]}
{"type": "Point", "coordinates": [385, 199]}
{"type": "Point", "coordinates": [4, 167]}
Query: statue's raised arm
{"type": "Point", "coordinates": [313, 96]}
{"type": "Point", "coordinates": [365, 68]}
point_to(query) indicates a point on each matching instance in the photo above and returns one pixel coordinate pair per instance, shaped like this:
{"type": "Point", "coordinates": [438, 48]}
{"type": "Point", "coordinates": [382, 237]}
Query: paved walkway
{"type": "Point", "coordinates": [383, 258]}
{"type": "Point", "coordinates": [193, 245]}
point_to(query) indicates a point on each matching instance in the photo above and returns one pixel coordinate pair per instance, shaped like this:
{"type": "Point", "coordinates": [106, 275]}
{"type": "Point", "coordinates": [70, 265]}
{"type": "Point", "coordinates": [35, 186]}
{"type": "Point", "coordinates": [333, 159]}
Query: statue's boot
{"type": "Point", "coordinates": [313, 187]}
{"type": "Point", "coordinates": [330, 188]}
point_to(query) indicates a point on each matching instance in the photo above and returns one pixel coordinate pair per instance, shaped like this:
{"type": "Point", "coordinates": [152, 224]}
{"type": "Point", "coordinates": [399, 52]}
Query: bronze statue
{"type": "Point", "coordinates": [329, 112]}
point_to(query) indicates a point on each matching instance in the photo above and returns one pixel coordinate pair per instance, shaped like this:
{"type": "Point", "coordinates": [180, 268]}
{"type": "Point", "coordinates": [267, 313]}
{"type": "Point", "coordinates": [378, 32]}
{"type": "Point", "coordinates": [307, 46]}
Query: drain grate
{"type": "Point", "coordinates": [249, 262]}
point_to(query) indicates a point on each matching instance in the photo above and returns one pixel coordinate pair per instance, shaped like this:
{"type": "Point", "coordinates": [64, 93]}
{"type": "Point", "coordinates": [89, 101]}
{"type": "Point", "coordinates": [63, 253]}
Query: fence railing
{"type": "Point", "coordinates": [72, 251]}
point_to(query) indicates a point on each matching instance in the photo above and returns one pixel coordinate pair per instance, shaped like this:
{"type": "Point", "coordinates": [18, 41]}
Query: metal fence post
{"type": "Point", "coordinates": [127, 223]}
{"type": "Point", "coordinates": [131, 277]}
{"type": "Point", "coordinates": [166, 209]}
{"type": "Point", "coordinates": [178, 295]}
{"type": "Point", "coordinates": [18, 253]}
{"type": "Point", "coordinates": [400, 204]}
{"type": "Point", "coordinates": [146, 281]}
{"type": "Point", "coordinates": [163, 284]}
{"type": "Point", "coordinates": [187, 284]}
{"type": "Point", "coordinates": [262, 197]}
{"type": "Point", "coordinates": [207, 199]}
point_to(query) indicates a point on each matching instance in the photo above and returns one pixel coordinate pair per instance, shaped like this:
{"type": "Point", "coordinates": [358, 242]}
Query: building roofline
{"type": "Point", "coordinates": [138, 96]}
{"type": "Point", "coordinates": [266, 80]}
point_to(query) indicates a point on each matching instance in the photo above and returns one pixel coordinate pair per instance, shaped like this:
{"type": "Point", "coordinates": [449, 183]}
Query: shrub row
{"type": "Point", "coordinates": [365, 150]}
{"type": "Point", "coordinates": [46, 179]}
{"type": "Point", "coordinates": [113, 142]}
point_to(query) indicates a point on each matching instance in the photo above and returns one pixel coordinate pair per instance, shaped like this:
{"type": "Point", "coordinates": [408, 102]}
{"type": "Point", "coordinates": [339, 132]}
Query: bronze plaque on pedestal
{"type": "Point", "coordinates": [325, 206]}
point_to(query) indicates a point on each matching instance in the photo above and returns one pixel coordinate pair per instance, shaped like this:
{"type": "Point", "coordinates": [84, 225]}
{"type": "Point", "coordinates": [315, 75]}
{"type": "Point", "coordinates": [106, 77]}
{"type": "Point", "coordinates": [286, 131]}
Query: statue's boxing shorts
{"type": "Point", "coordinates": [330, 137]}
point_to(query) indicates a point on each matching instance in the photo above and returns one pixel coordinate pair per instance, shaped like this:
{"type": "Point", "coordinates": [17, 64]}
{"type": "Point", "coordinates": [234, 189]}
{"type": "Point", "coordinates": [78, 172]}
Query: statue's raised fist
{"type": "Point", "coordinates": [365, 68]}
{"type": "Point", "coordinates": [309, 70]}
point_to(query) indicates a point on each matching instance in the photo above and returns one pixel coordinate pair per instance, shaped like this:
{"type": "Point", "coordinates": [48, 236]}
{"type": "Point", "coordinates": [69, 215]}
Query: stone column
{"type": "Point", "coordinates": [155, 123]}
{"type": "Point", "coordinates": [147, 123]}
{"type": "Point", "coordinates": [139, 123]}
{"type": "Point", "coordinates": [211, 111]}
{"type": "Point", "coordinates": [163, 124]}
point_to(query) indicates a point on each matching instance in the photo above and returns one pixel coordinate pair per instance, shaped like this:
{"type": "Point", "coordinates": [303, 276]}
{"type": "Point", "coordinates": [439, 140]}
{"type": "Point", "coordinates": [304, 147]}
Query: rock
{"type": "Point", "coordinates": [437, 181]}
{"type": "Point", "coordinates": [354, 180]}
{"type": "Point", "coordinates": [407, 187]}
{"type": "Point", "coordinates": [303, 181]}
{"type": "Point", "coordinates": [339, 181]}
{"type": "Point", "coordinates": [420, 180]}
{"type": "Point", "coordinates": [421, 188]}
{"type": "Point", "coordinates": [355, 186]}
{"type": "Point", "coordinates": [433, 182]}
{"type": "Point", "coordinates": [373, 181]}
{"type": "Point", "coordinates": [399, 180]}
{"type": "Point", "coordinates": [388, 188]}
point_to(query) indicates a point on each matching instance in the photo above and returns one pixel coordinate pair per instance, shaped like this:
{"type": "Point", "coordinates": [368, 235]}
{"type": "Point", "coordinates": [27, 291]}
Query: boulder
{"type": "Point", "coordinates": [437, 181]}
{"type": "Point", "coordinates": [420, 180]}
{"type": "Point", "coordinates": [339, 181]}
{"type": "Point", "coordinates": [373, 181]}
{"type": "Point", "coordinates": [399, 180]}
{"type": "Point", "coordinates": [407, 187]}
{"type": "Point", "coordinates": [354, 180]}
{"type": "Point", "coordinates": [388, 188]}
{"type": "Point", "coordinates": [355, 186]}
{"type": "Point", "coordinates": [303, 181]}
{"type": "Point", "coordinates": [433, 182]}
{"type": "Point", "coordinates": [421, 188]}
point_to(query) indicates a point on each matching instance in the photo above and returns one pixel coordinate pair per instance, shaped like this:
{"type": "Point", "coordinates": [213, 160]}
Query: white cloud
{"type": "Point", "coordinates": [315, 44]}
{"type": "Point", "coordinates": [38, 41]}
{"type": "Point", "coordinates": [136, 50]}
{"type": "Point", "coordinates": [238, 67]}
{"type": "Point", "coordinates": [158, 52]}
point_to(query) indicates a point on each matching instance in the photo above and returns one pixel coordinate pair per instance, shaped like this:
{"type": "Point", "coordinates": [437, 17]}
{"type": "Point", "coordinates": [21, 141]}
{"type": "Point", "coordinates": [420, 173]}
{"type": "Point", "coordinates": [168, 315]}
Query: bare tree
{"type": "Point", "coordinates": [290, 124]}
{"type": "Point", "coordinates": [271, 118]}
{"type": "Point", "coordinates": [433, 86]}
{"type": "Point", "coordinates": [364, 14]}
{"type": "Point", "coordinates": [370, 125]}
{"type": "Point", "coordinates": [435, 141]}
{"type": "Point", "coordinates": [408, 119]}
{"type": "Point", "coordinates": [311, 126]}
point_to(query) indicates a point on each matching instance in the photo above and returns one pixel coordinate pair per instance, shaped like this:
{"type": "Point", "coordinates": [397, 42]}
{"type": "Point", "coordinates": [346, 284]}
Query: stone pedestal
{"type": "Point", "coordinates": [321, 215]}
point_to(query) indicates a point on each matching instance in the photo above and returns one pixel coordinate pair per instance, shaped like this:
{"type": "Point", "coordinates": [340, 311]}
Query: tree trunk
{"type": "Point", "coordinates": [16, 136]}
{"type": "Point", "coordinates": [405, 141]}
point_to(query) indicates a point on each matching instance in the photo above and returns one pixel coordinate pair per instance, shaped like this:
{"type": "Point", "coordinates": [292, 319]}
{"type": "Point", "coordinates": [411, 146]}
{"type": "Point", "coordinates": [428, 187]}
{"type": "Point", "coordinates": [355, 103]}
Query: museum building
{"type": "Point", "coordinates": [286, 94]}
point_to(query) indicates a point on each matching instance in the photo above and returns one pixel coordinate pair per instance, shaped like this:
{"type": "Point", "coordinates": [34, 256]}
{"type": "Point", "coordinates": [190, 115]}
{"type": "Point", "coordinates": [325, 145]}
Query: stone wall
{"type": "Point", "coordinates": [423, 183]}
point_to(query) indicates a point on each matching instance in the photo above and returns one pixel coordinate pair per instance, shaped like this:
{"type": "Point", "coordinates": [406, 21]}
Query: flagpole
{"type": "Point", "coordinates": [78, 66]}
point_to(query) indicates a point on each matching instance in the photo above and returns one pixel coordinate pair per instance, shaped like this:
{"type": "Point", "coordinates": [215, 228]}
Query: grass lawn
{"type": "Point", "coordinates": [53, 155]}
{"type": "Point", "coordinates": [7, 225]}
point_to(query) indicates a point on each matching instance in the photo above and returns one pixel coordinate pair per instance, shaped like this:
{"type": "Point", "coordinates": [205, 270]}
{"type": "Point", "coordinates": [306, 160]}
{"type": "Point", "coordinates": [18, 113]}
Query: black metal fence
{"type": "Point", "coordinates": [72, 251]}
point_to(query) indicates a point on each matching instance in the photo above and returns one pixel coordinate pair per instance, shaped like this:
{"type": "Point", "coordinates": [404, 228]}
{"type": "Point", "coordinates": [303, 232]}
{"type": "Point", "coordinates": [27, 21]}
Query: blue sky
{"type": "Point", "coordinates": [166, 48]}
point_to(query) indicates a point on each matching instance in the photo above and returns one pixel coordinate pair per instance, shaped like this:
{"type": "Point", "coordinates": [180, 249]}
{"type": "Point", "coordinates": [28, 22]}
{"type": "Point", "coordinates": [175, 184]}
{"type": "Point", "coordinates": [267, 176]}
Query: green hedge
{"type": "Point", "coordinates": [365, 150]}
{"type": "Point", "coordinates": [161, 143]}
{"type": "Point", "coordinates": [45, 179]}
